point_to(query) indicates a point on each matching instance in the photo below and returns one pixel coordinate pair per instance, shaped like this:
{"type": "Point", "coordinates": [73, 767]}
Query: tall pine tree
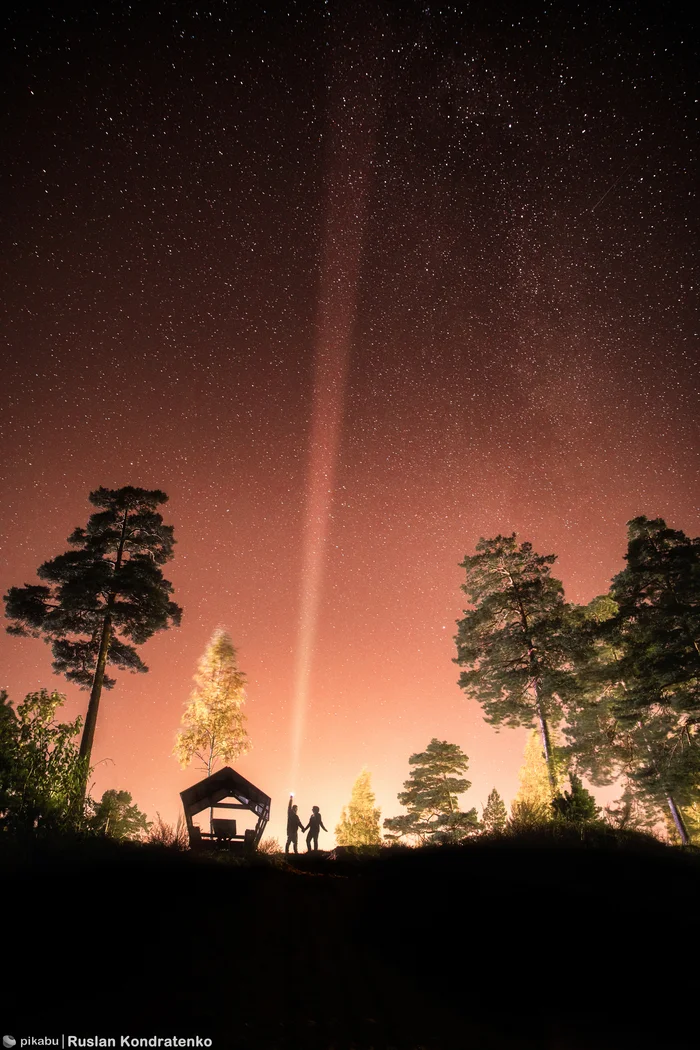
{"type": "Point", "coordinates": [359, 820]}
{"type": "Point", "coordinates": [657, 634]}
{"type": "Point", "coordinates": [638, 709]}
{"type": "Point", "coordinates": [109, 588]}
{"type": "Point", "coordinates": [515, 642]}
{"type": "Point", "coordinates": [600, 744]}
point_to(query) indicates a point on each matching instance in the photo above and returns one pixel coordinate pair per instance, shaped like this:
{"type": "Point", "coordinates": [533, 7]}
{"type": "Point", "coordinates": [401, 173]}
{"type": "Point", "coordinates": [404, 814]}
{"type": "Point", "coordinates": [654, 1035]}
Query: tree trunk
{"type": "Point", "coordinates": [546, 745]}
{"type": "Point", "coordinates": [675, 812]}
{"type": "Point", "coordinates": [678, 820]}
{"type": "Point", "coordinates": [88, 736]}
{"type": "Point", "coordinates": [211, 811]}
{"type": "Point", "coordinates": [535, 679]}
{"type": "Point", "coordinates": [96, 691]}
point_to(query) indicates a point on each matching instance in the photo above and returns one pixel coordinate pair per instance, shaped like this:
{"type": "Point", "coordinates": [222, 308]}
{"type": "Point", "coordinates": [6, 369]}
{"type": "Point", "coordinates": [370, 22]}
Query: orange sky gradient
{"type": "Point", "coordinates": [511, 251]}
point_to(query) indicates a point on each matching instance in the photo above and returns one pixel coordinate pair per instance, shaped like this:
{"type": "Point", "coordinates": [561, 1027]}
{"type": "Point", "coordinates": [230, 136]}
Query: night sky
{"type": "Point", "coordinates": [355, 286]}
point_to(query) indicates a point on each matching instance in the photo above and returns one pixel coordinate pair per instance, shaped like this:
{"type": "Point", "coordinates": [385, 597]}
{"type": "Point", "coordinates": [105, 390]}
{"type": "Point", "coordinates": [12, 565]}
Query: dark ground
{"type": "Point", "coordinates": [526, 944]}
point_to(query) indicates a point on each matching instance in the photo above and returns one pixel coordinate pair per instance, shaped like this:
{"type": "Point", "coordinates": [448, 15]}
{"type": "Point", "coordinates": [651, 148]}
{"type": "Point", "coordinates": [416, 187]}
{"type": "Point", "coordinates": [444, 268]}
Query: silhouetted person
{"type": "Point", "coordinates": [315, 822]}
{"type": "Point", "coordinates": [293, 826]}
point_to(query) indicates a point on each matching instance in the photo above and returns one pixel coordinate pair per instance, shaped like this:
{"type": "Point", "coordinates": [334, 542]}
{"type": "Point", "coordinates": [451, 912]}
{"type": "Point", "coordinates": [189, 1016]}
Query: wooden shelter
{"type": "Point", "coordinates": [210, 793]}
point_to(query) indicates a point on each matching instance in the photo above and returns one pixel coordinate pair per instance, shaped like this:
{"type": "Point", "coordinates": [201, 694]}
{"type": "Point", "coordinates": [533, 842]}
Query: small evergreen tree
{"type": "Point", "coordinates": [116, 817]}
{"type": "Point", "coordinates": [494, 817]}
{"type": "Point", "coordinates": [576, 806]}
{"type": "Point", "coordinates": [213, 723]}
{"type": "Point", "coordinates": [109, 588]}
{"type": "Point", "coordinates": [431, 796]}
{"type": "Point", "coordinates": [359, 820]}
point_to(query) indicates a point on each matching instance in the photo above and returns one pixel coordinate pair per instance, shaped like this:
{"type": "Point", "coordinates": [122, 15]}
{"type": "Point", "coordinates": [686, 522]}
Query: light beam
{"type": "Point", "coordinates": [352, 113]}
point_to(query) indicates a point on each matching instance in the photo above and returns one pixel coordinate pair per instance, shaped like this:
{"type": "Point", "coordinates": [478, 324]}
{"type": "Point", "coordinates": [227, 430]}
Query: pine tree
{"type": "Point", "coordinates": [515, 641]}
{"type": "Point", "coordinates": [431, 796]}
{"type": "Point", "coordinates": [213, 723]}
{"type": "Point", "coordinates": [639, 670]}
{"type": "Point", "coordinates": [108, 589]}
{"type": "Point", "coordinates": [657, 633]}
{"type": "Point", "coordinates": [359, 820]}
{"type": "Point", "coordinates": [494, 817]}
{"type": "Point", "coordinates": [691, 820]}
{"type": "Point", "coordinates": [116, 816]}
{"type": "Point", "coordinates": [594, 741]}
{"type": "Point", "coordinates": [598, 743]}
{"type": "Point", "coordinates": [633, 811]}
{"type": "Point", "coordinates": [576, 806]}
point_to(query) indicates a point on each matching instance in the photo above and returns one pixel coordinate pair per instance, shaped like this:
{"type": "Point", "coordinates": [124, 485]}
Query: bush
{"type": "Point", "coordinates": [269, 846]}
{"type": "Point", "coordinates": [162, 834]}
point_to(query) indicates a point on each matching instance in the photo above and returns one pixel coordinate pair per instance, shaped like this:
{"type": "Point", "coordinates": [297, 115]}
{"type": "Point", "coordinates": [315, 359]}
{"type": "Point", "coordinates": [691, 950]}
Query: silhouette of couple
{"type": "Point", "coordinates": [294, 825]}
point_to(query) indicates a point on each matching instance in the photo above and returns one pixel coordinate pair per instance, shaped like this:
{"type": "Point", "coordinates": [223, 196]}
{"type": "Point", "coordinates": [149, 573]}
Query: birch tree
{"type": "Point", "coordinates": [213, 726]}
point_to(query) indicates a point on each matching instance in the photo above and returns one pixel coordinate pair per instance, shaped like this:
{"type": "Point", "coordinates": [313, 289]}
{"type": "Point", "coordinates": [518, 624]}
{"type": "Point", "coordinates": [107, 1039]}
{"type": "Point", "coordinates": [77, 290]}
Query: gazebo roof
{"type": "Point", "coordinates": [225, 783]}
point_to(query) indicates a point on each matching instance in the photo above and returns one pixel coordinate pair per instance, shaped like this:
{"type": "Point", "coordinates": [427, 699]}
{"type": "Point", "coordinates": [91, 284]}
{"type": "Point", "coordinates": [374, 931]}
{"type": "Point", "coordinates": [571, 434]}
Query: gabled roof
{"type": "Point", "coordinates": [225, 783]}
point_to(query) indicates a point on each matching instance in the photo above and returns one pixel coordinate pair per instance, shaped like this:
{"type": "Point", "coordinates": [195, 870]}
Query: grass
{"type": "Point", "coordinates": [541, 940]}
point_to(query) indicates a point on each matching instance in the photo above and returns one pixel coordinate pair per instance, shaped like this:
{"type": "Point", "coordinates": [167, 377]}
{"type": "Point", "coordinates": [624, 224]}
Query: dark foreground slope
{"type": "Point", "coordinates": [517, 945]}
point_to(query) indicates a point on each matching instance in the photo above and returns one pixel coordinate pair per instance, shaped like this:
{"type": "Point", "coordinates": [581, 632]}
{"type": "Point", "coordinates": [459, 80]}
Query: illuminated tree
{"type": "Point", "coordinates": [359, 820]}
{"type": "Point", "coordinates": [116, 817]}
{"type": "Point", "coordinates": [108, 589]}
{"type": "Point", "coordinates": [213, 723]}
{"type": "Point", "coordinates": [41, 772]}
{"type": "Point", "coordinates": [495, 817]}
{"type": "Point", "coordinates": [515, 642]}
{"type": "Point", "coordinates": [431, 796]}
{"type": "Point", "coordinates": [533, 802]}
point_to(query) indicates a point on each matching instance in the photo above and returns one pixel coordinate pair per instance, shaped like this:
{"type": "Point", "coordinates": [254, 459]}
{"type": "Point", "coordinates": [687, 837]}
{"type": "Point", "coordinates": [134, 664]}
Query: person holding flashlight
{"type": "Point", "coordinates": [293, 826]}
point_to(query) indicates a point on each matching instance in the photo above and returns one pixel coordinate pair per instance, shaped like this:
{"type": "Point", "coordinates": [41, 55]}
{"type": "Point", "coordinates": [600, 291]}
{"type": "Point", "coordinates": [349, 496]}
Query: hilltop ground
{"type": "Point", "coordinates": [522, 944]}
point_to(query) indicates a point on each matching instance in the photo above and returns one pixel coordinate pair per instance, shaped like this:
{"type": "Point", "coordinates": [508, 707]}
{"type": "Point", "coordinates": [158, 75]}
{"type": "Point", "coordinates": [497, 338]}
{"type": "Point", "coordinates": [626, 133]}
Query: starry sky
{"type": "Point", "coordinates": [355, 285]}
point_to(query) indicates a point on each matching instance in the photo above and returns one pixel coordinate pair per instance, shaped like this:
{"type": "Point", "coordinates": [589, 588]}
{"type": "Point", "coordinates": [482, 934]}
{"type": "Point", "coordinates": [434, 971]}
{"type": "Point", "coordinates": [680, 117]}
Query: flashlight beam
{"type": "Point", "coordinates": [351, 133]}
